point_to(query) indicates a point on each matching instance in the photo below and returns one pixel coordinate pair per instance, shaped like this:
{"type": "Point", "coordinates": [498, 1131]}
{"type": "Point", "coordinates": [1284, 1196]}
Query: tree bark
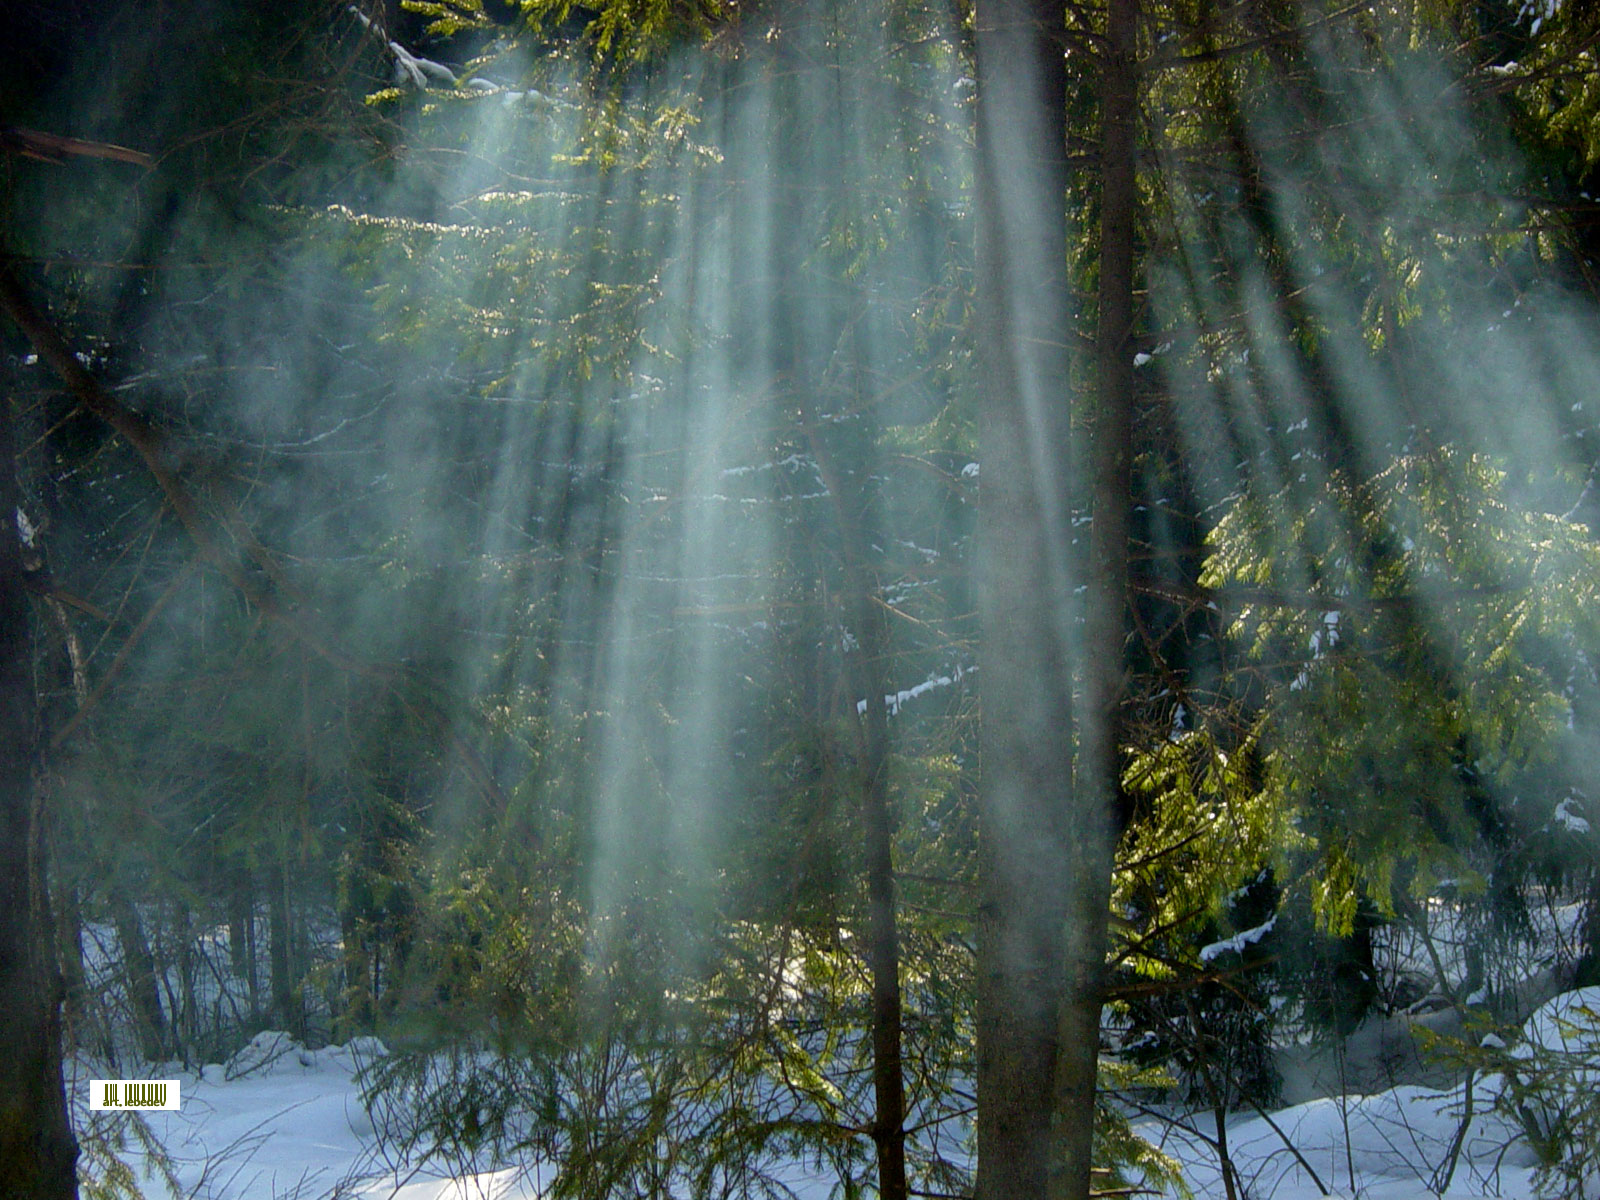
{"type": "Point", "coordinates": [286, 1007]}
{"type": "Point", "coordinates": [1090, 853]}
{"type": "Point", "coordinates": [139, 969]}
{"type": "Point", "coordinates": [1026, 793]}
{"type": "Point", "coordinates": [38, 1154]}
{"type": "Point", "coordinates": [74, 981]}
{"type": "Point", "coordinates": [870, 680]}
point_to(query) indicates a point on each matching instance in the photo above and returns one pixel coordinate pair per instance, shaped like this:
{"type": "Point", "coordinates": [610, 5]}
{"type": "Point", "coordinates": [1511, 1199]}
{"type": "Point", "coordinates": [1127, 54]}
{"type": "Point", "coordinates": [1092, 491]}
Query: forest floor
{"type": "Point", "coordinates": [281, 1122]}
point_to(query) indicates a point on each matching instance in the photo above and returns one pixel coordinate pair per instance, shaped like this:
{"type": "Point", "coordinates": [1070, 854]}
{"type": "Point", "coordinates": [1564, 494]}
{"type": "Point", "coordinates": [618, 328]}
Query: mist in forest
{"type": "Point", "coordinates": [538, 627]}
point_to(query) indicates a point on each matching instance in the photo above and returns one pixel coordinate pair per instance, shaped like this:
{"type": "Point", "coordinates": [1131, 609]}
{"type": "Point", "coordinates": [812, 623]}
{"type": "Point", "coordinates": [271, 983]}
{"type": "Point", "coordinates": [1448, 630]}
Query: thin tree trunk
{"type": "Point", "coordinates": [1026, 795]}
{"type": "Point", "coordinates": [883, 942]}
{"type": "Point", "coordinates": [253, 943]}
{"type": "Point", "coordinates": [802, 356]}
{"type": "Point", "coordinates": [38, 1154]}
{"type": "Point", "coordinates": [869, 679]}
{"type": "Point", "coordinates": [139, 969]}
{"type": "Point", "coordinates": [1098, 766]}
{"type": "Point", "coordinates": [358, 1011]}
{"type": "Point", "coordinates": [242, 931]}
{"type": "Point", "coordinates": [186, 1016]}
{"type": "Point", "coordinates": [74, 982]}
{"type": "Point", "coordinates": [285, 996]}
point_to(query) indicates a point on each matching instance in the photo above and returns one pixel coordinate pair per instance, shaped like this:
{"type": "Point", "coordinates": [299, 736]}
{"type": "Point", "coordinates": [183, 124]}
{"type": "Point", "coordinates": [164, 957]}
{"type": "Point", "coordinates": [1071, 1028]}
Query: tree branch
{"type": "Point", "coordinates": [160, 457]}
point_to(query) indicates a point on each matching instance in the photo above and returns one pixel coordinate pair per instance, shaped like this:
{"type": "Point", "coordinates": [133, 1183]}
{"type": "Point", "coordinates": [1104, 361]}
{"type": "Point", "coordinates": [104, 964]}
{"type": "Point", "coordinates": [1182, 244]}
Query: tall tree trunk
{"type": "Point", "coordinates": [1027, 801]}
{"type": "Point", "coordinates": [1090, 853]}
{"type": "Point", "coordinates": [816, 323]}
{"type": "Point", "coordinates": [869, 679]}
{"type": "Point", "coordinates": [38, 1154]}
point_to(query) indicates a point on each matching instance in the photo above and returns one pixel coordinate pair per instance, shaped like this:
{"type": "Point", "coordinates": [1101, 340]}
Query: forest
{"type": "Point", "coordinates": [800, 599]}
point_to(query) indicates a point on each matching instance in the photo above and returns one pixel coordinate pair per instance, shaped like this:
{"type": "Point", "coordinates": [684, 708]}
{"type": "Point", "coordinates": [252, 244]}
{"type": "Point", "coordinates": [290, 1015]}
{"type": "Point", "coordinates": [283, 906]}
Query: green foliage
{"type": "Point", "coordinates": [1129, 1159]}
{"type": "Point", "coordinates": [1553, 95]}
{"type": "Point", "coordinates": [1205, 822]}
{"type": "Point", "coordinates": [709, 1086]}
{"type": "Point", "coordinates": [1398, 625]}
{"type": "Point", "coordinates": [105, 1140]}
{"type": "Point", "coordinates": [622, 30]}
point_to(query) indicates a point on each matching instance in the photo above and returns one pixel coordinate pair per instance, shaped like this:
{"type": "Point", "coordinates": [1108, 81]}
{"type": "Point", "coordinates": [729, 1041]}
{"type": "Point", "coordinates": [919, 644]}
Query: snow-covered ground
{"type": "Point", "coordinates": [1385, 1146]}
{"type": "Point", "coordinates": [280, 1122]}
